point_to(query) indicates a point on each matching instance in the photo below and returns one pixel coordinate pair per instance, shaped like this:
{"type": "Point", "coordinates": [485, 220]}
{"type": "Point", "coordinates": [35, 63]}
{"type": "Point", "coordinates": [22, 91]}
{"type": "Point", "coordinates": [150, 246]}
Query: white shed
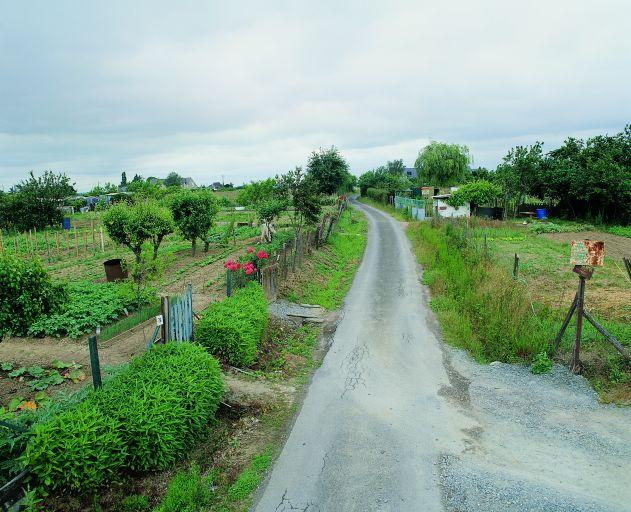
{"type": "Point", "coordinates": [442, 209]}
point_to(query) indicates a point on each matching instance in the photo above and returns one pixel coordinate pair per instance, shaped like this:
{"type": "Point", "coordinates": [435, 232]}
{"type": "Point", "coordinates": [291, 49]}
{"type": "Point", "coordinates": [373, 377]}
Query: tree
{"type": "Point", "coordinates": [134, 225]}
{"type": "Point", "coordinates": [304, 197]}
{"type": "Point", "coordinates": [124, 179]}
{"type": "Point", "coordinates": [194, 213]}
{"type": "Point", "coordinates": [476, 193]}
{"type": "Point", "coordinates": [519, 171]}
{"type": "Point", "coordinates": [383, 179]}
{"type": "Point", "coordinates": [329, 170]}
{"type": "Point", "coordinates": [395, 167]}
{"type": "Point", "coordinates": [35, 202]}
{"type": "Point", "coordinates": [137, 178]}
{"type": "Point", "coordinates": [173, 180]}
{"type": "Point", "coordinates": [98, 190]}
{"type": "Point", "coordinates": [442, 165]}
{"type": "Point", "coordinates": [268, 211]}
{"type": "Point", "coordinates": [257, 192]}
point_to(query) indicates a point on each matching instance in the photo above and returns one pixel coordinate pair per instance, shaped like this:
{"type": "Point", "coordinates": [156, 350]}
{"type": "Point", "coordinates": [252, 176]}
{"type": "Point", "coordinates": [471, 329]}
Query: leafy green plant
{"type": "Point", "coordinates": [7, 367]}
{"type": "Point", "coordinates": [250, 478]}
{"type": "Point", "coordinates": [187, 492]}
{"type": "Point", "coordinates": [90, 305]}
{"type": "Point", "coordinates": [26, 293]}
{"type": "Point", "coordinates": [136, 503]}
{"type": "Point", "coordinates": [541, 363]}
{"type": "Point", "coordinates": [194, 213]}
{"type": "Point", "coordinates": [233, 328]}
{"type": "Point", "coordinates": [18, 372]}
{"type": "Point", "coordinates": [77, 450]}
{"type": "Point", "coordinates": [35, 371]}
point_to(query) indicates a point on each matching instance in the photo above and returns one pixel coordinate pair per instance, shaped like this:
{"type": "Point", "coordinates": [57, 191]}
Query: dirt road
{"type": "Point", "coordinates": [396, 421]}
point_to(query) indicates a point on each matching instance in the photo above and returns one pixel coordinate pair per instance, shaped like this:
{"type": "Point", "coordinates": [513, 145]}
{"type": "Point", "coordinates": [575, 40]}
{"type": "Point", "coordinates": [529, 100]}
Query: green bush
{"type": "Point", "coordinates": [378, 194]}
{"type": "Point", "coordinates": [26, 293]}
{"type": "Point", "coordinates": [187, 492]}
{"type": "Point", "coordinates": [143, 418]}
{"type": "Point", "coordinates": [541, 364]}
{"type": "Point", "coordinates": [136, 503]}
{"type": "Point", "coordinates": [78, 450]}
{"type": "Point", "coordinates": [233, 328]}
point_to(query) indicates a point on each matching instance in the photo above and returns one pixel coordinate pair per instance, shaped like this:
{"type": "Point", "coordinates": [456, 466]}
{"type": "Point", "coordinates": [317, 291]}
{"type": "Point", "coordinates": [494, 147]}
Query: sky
{"type": "Point", "coordinates": [239, 91]}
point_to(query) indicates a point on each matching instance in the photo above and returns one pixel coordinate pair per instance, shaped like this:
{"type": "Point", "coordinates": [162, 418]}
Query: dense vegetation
{"type": "Point", "coordinates": [127, 426]}
{"type": "Point", "coordinates": [233, 328]}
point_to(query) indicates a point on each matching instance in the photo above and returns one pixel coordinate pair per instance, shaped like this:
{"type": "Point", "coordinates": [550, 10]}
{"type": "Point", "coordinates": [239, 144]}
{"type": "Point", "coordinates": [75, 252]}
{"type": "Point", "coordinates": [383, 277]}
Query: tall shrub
{"type": "Point", "coordinates": [233, 328]}
{"type": "Point", "coordinates": [26, 293]}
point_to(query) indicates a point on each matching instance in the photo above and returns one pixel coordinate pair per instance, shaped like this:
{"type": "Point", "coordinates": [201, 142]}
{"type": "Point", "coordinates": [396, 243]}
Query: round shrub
{"type": "Point", "coordinates": [233, 328]}
{"type": "Point", "coordinates": [77, 450]}
{"type": "Point", "coordinates": [26, 293]}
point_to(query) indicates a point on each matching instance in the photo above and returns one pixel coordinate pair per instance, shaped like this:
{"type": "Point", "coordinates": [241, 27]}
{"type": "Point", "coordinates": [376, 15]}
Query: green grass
{"type": "Point", "coordinates": [250, 477]}
{"type": "Point", "coordinates": [400, 214]}
{"type": "Point", "coordinates": [332, 267]}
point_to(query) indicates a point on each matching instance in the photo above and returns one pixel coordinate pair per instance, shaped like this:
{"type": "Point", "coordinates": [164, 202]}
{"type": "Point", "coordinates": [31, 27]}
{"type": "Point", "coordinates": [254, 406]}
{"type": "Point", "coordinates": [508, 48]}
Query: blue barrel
{"type": "Point", "coordinates": [65, 223]}
{"type": "Point", "coordinates": [541, 213]}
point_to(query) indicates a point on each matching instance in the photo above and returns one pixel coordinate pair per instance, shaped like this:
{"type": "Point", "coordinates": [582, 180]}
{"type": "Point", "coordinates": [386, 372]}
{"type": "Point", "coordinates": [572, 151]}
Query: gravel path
{"type": "Point", "coordinates": [394, 420]}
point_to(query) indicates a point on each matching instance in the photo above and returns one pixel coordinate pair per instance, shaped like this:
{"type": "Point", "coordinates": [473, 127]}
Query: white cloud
{"type": "Point", "coordinates": [249, 90]}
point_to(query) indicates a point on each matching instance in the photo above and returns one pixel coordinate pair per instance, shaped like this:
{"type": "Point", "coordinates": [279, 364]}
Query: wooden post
{"type": "Point", "coordinates": [94, 362]}
{"type": "Point", "coordinates": [47, 246]}
{"type": "Point", "coordinates": [516, 266]}
{"type": "Point", "coordinates": [68, 241]}
{"type": "Point", "coordinates": [85, 241]}
{"type": "Point", "coordinates": [57, 243]}
{"type": "Point", "coordinates": [76, 241]}
{"type": "Point", "coordinates": [102, 242]}
{"type": "Point", "coordinates": [575, 365]}
{"type": "Point", "coordinates": [35, 244]}
{"type": "Point", "coordinates": [93, 237]}
{"type": "Point", "coordinates": [164, 307]}
{"type": "Point", "coordinates": [486, 246]}
{"type": "Point", "coordinates": [29, 241]}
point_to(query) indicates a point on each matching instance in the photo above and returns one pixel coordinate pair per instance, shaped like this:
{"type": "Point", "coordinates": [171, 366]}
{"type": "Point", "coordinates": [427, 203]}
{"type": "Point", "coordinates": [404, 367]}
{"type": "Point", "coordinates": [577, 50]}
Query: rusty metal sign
{"type": "Point", "coordinates": [587, 252]}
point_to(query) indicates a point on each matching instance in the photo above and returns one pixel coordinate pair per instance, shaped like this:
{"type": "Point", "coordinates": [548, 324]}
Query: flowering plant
{"type": "Point", "coordinates": [232, 265]}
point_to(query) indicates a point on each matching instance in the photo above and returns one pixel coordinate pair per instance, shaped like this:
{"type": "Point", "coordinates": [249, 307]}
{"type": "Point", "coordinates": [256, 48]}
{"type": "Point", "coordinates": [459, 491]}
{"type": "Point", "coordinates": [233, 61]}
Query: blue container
{"type": "Point", "coordinates": [65, 223]}
{"type": "Point", "coordinates": [541, 213]}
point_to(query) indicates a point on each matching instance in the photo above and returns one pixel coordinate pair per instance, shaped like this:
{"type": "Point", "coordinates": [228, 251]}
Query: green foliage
{"type": "Point", "coordinates": [541, 363]}
{"type": "Point", "coordinates": [480, 306]}
{"type": "Point", "coordinates": [173, 180]}
{"type": "Point", "coordinates": [233, 328]}
{"type": "Point", "coordinates": [268, 210]}
{"type": "Point", "coordinates": [258, 192]}
{"type": "Point", "coordinates": [99, 190]}
{"type": "Point", "coordinates": [144, 417]}
{"type": "Point", "coordinates": [34, 202]}
{"type": "Point", "coordinates": [136, 503]}
{"type": "Point", "coordinates": [89, 305]}
{"type": "Point", "coordinates": [133, 225]}
{"type": "Point", "coordinates": [329, 170]}
{"type": "Point", "coordinates": [77, 450]}
{"type": "Point", "coordinates": [249, 479]}
{"type": "Point", "coordinates": [377, 194]}
{"type": "Point", "coordinates": [26, 293]}
{"type": "Point", "coordinates": [187, 492]}
{"type": "Point", "coordinates": [478, 193]}
{"type": "Point", "coordinates": [389, 178]}
{"type": "Point", "coordinates": [305, 200]}
{"type": "Point", "coordinates": [620, 230]}
{"type": "Point", "coordinates": [194, 213]}
{"type": "Point", "coordinates": [551, 227]}
{"type": "Point", "coordinates": [442, 165]}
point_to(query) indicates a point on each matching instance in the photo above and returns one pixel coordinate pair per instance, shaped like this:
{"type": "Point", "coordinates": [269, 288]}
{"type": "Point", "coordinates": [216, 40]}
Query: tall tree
{"type": "Point", "coordinates": [173, 180]}
{"type": "Point", "coordinates": [193, 213]}
{"type": "Point", "coordinates": [329, 170]}
{"type": "Point", "coordinates": [302, 191]}
{"type": "Point", "coordinates": [123, 179]}
{"type": "Point", "coordinates": [442, 165]}
{"type": "Point", "coordinates": [519, 171]}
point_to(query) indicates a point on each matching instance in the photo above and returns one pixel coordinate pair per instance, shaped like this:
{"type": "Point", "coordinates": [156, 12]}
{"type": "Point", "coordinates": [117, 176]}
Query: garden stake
{"type": "Point", "coordinates": [76, 241]}
{"type": "Point", "coordinates": [516, 266]}
{"type": "Point", "coordinates": [228, 282]}
{"type": "Point", "coordinates": [102, 243]}
{"type": "Point", "coordinates": [94, 362]}
{"type": "Point", "coordinates": [57, 243]}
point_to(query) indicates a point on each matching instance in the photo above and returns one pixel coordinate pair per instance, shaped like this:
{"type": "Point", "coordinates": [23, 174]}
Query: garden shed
{"type": "Point", "coordinates": [442, 209]}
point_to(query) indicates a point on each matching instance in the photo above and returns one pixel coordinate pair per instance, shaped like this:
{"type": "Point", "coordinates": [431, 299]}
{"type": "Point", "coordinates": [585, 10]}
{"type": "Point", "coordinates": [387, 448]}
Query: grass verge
{"type": "Point", "coordinates": [327, 275]}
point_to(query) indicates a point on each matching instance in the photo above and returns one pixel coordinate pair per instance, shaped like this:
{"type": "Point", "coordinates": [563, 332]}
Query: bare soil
{"type": "Point", "coordinates": [616, 247]}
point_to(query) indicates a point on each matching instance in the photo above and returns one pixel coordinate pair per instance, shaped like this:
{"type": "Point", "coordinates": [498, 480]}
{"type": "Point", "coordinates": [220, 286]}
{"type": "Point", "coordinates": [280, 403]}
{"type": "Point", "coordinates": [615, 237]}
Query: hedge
{"type": "Point", "coordinates": [233, 328]}
{"type": "Point", "coordinates": [378, 194]}
{"type": "Point", "coordinates": [143, 418]}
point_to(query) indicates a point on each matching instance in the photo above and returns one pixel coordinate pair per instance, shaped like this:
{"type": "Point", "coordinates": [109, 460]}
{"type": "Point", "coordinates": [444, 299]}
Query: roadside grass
{"type": "Point", "coordinates": [327, 275]}
{"type": "Point", "coordinates": [495, 316]}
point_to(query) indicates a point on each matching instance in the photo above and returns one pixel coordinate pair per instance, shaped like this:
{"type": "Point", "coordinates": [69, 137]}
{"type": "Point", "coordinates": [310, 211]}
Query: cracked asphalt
{"type": "Point", "coordinates": [396, 421]}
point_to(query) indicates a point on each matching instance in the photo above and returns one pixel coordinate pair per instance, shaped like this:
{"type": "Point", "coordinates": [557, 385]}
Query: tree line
{"type": "Point", "coordinates": [587, 179]}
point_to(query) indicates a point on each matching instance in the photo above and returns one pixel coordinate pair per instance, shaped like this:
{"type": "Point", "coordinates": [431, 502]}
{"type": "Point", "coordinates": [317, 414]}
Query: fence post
{"type": "Point", "coordinates": [228, 283]}
{"type": "Point", "coordinates": [102, 243]}
{"type": "Point", "coordinates": [516, 266]}
{"type": "Point", "coordinates": [94, 362]}
{"type": "Point", "coordinates": [164, 310]}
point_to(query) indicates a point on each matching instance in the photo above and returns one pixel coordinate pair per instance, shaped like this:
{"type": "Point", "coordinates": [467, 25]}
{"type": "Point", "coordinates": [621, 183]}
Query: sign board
{"type": "Point", "coordinates": [159, 320]}
{"type": "Point", "coordinates": [587, 252]}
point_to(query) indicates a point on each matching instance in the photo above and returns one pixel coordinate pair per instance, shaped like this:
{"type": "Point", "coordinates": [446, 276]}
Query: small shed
{"type": "Point", "coordinates": [442, 209]}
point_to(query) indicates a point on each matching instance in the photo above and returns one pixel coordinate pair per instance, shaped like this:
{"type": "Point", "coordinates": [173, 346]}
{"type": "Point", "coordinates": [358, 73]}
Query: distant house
{"type": "Point", "coordinates": [442, 209]}
{"type": "Point", "coordinates": [410, 172]}
{"type": "Point", "coordinates": [216, 185]}
{"type": "Point", "coordinates": [188, 183]}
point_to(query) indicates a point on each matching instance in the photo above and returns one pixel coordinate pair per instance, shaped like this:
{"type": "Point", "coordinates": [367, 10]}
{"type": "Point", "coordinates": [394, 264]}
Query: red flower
{"type": "Point", "coordinates": [250, 250]}
{"type": "Point", "coordinates": [262, 255]}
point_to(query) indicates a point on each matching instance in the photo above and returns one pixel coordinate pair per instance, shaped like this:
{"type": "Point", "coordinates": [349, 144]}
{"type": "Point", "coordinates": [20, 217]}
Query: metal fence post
{"type": "Point", "coordinates": [94, 362]}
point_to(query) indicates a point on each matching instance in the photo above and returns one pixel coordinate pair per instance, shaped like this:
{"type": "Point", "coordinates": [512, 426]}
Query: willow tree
{"type": "Point", "coordinates": [442, 165]}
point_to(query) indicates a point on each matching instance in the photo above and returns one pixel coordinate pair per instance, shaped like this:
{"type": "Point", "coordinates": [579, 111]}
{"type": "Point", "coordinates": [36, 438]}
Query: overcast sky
{"type": "Point", "coordinates": [245, 90]}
